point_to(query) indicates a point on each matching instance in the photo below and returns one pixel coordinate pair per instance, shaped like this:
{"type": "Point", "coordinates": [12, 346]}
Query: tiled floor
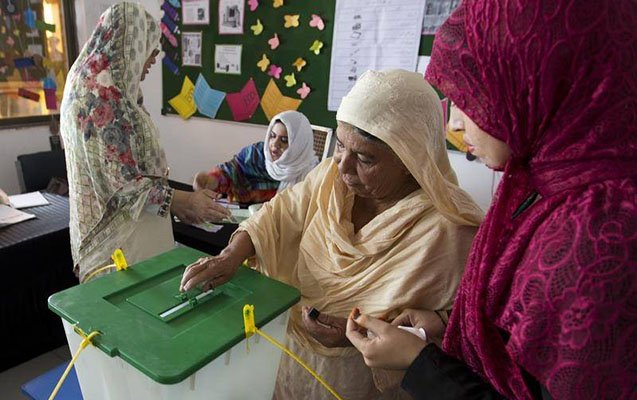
{"type": "Point", "coordinates": [12, 379]}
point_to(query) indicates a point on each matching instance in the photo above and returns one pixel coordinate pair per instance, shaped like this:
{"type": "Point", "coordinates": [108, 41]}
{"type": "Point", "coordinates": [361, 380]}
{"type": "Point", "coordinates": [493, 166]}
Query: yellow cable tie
{"type": "Point", "coordinates": [119, 260]}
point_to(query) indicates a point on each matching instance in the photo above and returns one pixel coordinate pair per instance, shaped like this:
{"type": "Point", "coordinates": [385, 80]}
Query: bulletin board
{"type": "Point", "coordinates": [294, 43]}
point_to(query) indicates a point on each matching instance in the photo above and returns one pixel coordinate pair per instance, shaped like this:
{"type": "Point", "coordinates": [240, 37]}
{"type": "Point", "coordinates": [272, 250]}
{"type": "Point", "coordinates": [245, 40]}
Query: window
{"type": "Point", "coordinates": [37, 46]}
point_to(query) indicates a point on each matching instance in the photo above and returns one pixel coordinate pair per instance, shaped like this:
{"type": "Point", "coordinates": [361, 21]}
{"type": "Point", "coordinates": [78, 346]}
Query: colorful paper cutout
{"type": "Point", "coordinates": [290, 80]}
{"type": "Point", "coordinates": [24, 62]}
{"type": "Point", "coordinates": [175, 3]}
{"type": "Point", "coordinates": [253, 4]}
{"type": "Point", "coordinates": [275, 71]}
{"type": "Point", "coordinates": [316, 47]}
{"type": "Point", "coordinates": [43, 26]}
{"type": "Point", "coordinates": [170, 65]}
{"type": "Point", "coordinates": [207, 99]}
{"type": "Point", "coordinates": [263, 64]}
{"type": "Point", "coordinates": [169, 23]}
{"type": "Point", "coordinates": [317, 22]}
{"type": "Point", "coordinates": [49, 83]}
{"type": "Point", "coordinates": [299, 63]}
{"type": "Point", "coordinates": [257, 28]}
{"type": "Point", "coordinates": [10, 41]}
{"type": "Point", "coordinates": [172, 13]}
{"type": "Point", "coordinates": [304, 90]}
{"type": "Point", "coordinates": [27, 94]}
{"type": "Point", "coordinates": [184, 102]}
{"type": "Point", "coordinates": [168, 34]}
{"type": "Point", "coordinates": [277, 3]}
{"type": "Point", "coordinates": [243, 104]}
{"type": "Point", "coordinates": [273, 102]}
{"type": "Point", "coordinates": [291, 21]}
{"type": "Point", "coordinates": [29, 19]}
{"type": "Point", "coordinates": [274, 42]}
{"type": "Point", "coordinates": [50, 99]}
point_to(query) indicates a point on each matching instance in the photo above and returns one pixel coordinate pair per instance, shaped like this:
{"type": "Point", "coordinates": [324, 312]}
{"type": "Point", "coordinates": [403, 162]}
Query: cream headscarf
{"type": "Point", "coordinates": [401, 109]}
{"type": "Point", "coordinates": [299, 158]}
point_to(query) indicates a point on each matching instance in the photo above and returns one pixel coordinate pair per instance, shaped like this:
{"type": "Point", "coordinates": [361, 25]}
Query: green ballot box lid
{"type": "Point", "coordinates": [145, 320]}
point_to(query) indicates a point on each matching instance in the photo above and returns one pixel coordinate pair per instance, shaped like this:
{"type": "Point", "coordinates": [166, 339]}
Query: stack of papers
{"type": "Point", "coordinates": [10, 216]}
{"type": "Point", "coordinates": [33, 199]}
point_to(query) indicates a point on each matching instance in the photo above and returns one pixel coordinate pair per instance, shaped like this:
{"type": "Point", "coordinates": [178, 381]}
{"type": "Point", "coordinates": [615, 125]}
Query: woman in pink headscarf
{"type": "Point", "coordinates": [548, 303]}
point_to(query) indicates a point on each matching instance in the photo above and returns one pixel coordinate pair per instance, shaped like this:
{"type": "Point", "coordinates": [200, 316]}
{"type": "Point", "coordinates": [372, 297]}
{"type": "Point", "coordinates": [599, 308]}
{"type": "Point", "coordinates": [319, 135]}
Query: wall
{"type": "Point", "coordinates": [196, 144]}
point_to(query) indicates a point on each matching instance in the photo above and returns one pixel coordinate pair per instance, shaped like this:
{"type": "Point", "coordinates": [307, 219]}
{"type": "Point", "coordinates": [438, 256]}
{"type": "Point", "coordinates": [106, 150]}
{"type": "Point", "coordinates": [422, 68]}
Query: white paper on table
{"type": "Point", "coordinates": [10, 216]}
{"type": "Point", "coordinates": [372, 34]}
{"type": "Point", "coordinates": [26, 200]}
{"type": "Point", "coordinates": [195, 12]}
{"type": "Point", "coordinates": [208, 227]}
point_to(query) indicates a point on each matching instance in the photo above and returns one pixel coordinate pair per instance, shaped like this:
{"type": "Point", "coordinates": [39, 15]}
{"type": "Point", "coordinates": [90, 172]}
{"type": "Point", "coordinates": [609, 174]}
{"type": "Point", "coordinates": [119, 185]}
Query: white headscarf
{"type": "Point", "coordinates": [401, 109]}
{"type": "Point", "coordinates": [299, 158]}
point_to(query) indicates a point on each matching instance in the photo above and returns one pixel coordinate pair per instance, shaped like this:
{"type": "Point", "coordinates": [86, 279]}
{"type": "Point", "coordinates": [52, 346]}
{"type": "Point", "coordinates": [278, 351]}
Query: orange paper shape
{"type": "Point", "coordinates": [273, 102]}
{"type": "Point", "coordinates": [299, 64]}
{"type": "Point", "coordinates": [277, 3]}
{"type": "Point", "coordinates": [263, 64]}
{"type": "Point", "coordinates": [291, 21]}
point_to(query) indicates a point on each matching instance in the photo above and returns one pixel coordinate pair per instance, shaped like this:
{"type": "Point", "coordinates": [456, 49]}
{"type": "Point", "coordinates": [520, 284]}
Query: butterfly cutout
{"type": "Point", "coordinates": [263, 64]}
{"type": "Point", "coordinates": [275, 71]}
{"type": "Point", "coordinates": [304, 90]}
{"type": "Point", "coordinates": [299, 64]}
{"type": "Point", "coordinates": [253, 4]}
{"type": "Point", "coordinates": [317, 22]}
{"type": "Point", "coordinates": [290, 80]}
{"type": "Point", "coordinates": [274, 42]}
{"type": "Point", "coordinates": [316, 47]}
{"type": "Point", "coordinates": [291, 21]}
{"type": "Point", "coordinates": [277, 3]}
{"type": "Point", "coordinates": [257, 28]}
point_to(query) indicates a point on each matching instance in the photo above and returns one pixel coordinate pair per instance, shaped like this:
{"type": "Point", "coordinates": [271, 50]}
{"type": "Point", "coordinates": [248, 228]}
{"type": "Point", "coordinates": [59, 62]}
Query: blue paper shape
{"type": "Point", "coordinates": [29, 18]}
{"type": "Point", "coordinates": [175, 3]}
{"type": "Point", "coordinates": [170, 65]}
{"type": "Point", "coordinates": [208, 100]}
{"type": "Point", "coordinates": [49, 83]}
{"type": "Point", "coordinates": [23, 62]}
{"type": "Point", "coordinates": [170, 24]}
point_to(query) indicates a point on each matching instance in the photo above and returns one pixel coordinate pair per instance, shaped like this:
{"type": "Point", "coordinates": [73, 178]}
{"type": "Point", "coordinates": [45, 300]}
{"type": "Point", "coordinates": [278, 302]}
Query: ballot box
{"type": "Point", "coordinates": [158, 343]}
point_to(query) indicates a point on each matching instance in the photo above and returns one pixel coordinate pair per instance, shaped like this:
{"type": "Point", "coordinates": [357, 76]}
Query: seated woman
{"type": "Point", "coordinates": [262, 169]}
{"type": "Point", "coordinates": [382, 224]}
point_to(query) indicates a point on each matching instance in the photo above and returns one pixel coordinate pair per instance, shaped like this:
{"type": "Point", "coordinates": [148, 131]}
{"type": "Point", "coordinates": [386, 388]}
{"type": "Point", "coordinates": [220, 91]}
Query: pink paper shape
{"type": "Point", "coordinates": [244, 103]}
{"type": "Point", "coordinates": [304, 90]}
{"type": "Point", "coordinates": [275, 71]}
{"type": "Point", "coordinates": [253, 4]}
{"type": "Point", "coordinates": [274, 42]}
{"type": "Point", "coordinates": [317, 22]}
{"type": "Point", "coordinates": [50, 99]}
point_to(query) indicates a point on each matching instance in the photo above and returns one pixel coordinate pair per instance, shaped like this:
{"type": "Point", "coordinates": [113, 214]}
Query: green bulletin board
{"type": "Point", "coordinates": [294, 43]}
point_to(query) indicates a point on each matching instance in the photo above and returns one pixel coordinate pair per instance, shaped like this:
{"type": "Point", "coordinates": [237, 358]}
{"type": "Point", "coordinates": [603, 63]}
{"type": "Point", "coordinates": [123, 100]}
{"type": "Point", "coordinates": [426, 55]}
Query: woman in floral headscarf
{"type": "Point", "coordinates": [119, 196]}
{"type": "Point", "coordinates": [548, 303]}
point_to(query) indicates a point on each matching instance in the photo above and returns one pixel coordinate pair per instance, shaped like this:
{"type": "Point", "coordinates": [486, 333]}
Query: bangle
{"type": "Point", "coordinates": [441, 318]}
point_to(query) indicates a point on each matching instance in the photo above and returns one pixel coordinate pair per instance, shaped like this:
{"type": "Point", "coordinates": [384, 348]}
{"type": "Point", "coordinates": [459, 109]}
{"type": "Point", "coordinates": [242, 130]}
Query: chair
{"type": "Point", "coordinates": [323, 143]}
{"type": "Point", "coordinates": [36, 170]}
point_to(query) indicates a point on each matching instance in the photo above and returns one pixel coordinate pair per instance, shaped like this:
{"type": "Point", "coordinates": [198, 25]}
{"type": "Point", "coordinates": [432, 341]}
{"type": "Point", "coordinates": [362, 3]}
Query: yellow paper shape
{"type": "Point", "coordinates": [290, 80]}
{"type": "Point", "coordinates": [316, 47]}
{"type": "Point", "coordinates": [299, 64]}
{"type": "Point", "coordinates": [257, 28]}
{"type": "Point", "coordinates": [263, 64]}
{"type": "Point", "coordinates": [277, 3]}
{"type": "Point", "coordinates": [291, 21]}
{"type": "Point", "coordinates": [184, 102]}
{"type": "Point", "coordinates": [273, 102]}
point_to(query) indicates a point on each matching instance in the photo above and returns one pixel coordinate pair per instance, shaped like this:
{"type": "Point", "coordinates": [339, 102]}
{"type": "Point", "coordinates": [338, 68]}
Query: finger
{"type": "Point", "coordinates": [194, 274]}
{"type": "Point", "coordinates": [403, 319]}
{"type": "Point", "coordinates": [373, 324]}
{"type": "Point", "coordinates": [355, 336]}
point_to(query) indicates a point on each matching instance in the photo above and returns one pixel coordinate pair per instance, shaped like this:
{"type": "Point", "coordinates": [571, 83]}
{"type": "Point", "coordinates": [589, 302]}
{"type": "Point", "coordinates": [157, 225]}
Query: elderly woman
{"type": "Point", "coordinates": [118, 191]}
{"type": "Point", "coordinates": [547, 306]}
{"type": "Point", "coordinates": [382, 224]}
{"type": "Point", "coordinates": [263, 169]}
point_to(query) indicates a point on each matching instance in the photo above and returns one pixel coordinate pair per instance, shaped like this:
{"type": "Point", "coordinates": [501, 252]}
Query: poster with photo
{"type": "Point", "coordinates": [231, 17]}
{"type": "Point", "coordinates": [195, 12]}
{"type": "Point", "coordinates": [437, 12]}
{"type": "Point", "coordinates": [191, 48]}
{"type": "Point", "coordinates": [228, 59]}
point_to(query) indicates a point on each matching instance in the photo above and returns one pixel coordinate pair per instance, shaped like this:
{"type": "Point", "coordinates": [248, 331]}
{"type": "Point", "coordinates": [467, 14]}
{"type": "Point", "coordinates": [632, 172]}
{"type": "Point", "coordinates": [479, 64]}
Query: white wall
{"type": "Point", "coordinates": [199, 143]}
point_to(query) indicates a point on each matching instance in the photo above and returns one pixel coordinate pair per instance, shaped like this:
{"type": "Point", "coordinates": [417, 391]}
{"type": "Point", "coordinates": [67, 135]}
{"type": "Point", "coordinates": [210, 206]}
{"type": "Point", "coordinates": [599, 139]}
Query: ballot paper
{"type": "Point", "coordinates": [208, 227]}
{"type": "Point", "coordinates": [10, 216]}
{"type": "Point", "coordinates": [27, 200]}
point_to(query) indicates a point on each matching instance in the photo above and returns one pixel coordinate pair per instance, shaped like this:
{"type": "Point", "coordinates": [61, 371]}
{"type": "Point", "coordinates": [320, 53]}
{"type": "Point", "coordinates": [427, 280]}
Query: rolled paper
{"type": "Point", "coordinates": [170, 65]}
{"type": "Point", "coordinates": [168, 34]}
{"type": "Point", "coordinates": [27, 94]}
{"type": "Point", "coordinates": [170, 24]}
{"type": "Point", "coordinates": [171, 12]}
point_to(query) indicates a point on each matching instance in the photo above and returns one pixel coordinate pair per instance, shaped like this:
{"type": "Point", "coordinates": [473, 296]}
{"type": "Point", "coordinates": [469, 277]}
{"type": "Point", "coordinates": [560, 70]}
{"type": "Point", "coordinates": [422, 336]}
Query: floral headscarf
{"type": "Point", "coordinates": [116, 166]}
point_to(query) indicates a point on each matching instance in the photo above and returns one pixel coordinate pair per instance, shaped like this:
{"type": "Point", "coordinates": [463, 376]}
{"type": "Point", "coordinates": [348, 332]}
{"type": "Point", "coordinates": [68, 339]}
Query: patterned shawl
{"type": "Point", "coordinates": [553, 291]}
{"type": "Point", "coordinates": [115, 164]}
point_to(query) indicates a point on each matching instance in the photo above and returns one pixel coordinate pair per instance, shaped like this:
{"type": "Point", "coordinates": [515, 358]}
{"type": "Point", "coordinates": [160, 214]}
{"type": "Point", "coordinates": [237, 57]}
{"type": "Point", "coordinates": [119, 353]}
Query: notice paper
{"type": "Point", "coordinates": [372, 34]}
{"type": "Point", "coordinates": [10, 216]}
{"type": "Point", "coordinates": [228, 59]}
{"type": "Point", "coordinates": [191, 48]}
{"type": "Point", "coordinates": [196, 12]}
{"type": "Point", "coordinates": [33, 199]}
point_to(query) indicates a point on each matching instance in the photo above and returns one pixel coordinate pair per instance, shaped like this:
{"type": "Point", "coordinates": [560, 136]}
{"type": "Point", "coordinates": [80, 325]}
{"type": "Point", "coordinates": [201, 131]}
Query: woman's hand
{"type": "Point", "coordinates": [198, 207]}
{"type": "Point", "coordinates": [389, 347]}
{"type": "Point", "coordinates": [204, 181]}
{"type": "Point", "coordinates": [209, 271]}
{"type": "Point", "coordinates": [428, 320]}
{"type": "Point", "coordinates": [326, 329]}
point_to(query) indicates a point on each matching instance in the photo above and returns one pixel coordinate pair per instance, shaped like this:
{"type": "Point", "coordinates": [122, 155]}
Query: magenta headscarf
{"type": "Point", "coordinates": [553, 291]}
